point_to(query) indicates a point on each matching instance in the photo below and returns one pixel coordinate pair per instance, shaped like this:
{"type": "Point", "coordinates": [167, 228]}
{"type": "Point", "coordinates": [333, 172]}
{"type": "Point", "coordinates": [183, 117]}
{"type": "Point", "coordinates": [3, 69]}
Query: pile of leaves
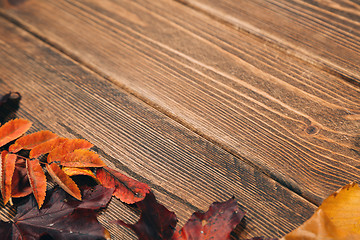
{"type": "Point", "coordinates": [69, 210]}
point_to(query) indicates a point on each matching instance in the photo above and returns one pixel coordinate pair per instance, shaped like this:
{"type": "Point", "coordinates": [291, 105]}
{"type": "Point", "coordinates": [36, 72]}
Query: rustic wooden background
{"type": "Point", "coordinates": [201, 99]}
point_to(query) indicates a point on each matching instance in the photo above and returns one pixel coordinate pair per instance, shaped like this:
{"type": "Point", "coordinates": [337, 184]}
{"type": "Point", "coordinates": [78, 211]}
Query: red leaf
{"type": "Point", "coordinates": [61, 217]}
{"type": "Point", "coordinates": [82, 158]}
{"type": "Point", "coordinates": [127, 189]}
{"type": "Point", "coordinates": [12, 130]}
{"type": "Point", "coordinates": [46, 147]}
{"type": "Point", "coordinates": [156, 222]}
{"type": "Point", "coordinates": [37, 180]}
{"type": "Point", "coordinates": [20, 186]}
{"type": "Point", "coordinates": [216, 223]}
{"type": "Point", "coordinates": [64, 181]}
{"type": "Point", "coordinates": [32, 140]}
{"type": "Point", "coordinates": [7, 171]}
{"type": "Point", "coordinates": [68, 146]}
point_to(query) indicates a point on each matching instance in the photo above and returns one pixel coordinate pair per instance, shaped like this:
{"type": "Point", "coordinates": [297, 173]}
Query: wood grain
{"type": "Point", "coordinates": [185, 171]}
{"type": "Point", "coordinates": [278, 113]}
{"type": "Point", "coordinates": [324, 32]}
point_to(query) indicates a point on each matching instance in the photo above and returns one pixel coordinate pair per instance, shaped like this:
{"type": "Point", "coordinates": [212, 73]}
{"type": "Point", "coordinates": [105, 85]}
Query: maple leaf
{"type": "Point", "coordinates": [61, 217]}
{"type": "Point", "coordinates": [12, 130]}
{"type": "Point", "coordinates": [32, 140]}
{"type": "Point", "coordinates": [216, 223]}
{"type": "Point", "coordinates": [156, 222]}
{"type": "Point", "coordinates": [127, 189]}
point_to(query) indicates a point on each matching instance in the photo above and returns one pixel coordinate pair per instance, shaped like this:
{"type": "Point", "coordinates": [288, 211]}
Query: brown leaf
{"type": "Point", "coordinates": [58, 153]}
{"type": "Point", "coordinates": [37, 180]}
{"type": "Point", "coordinates": [20, 186]}
{"type": "Point", "coordinates": [79, 171]}
{"type": "Point", "coordinates": [216, 223]}
{"type": "Point", "coordinates": [127, 189]}
{"type": "Point", "coordinates": [64, 181]}
{"type": "Point", "coordinates": [32, 140]}
{"type": "Point", "coordinates": [46, 147]}
{"type": "Point", "coordinates": [7, 171]}
{"type": "Point", "coordinates": [82, 158]}
{"type": "Point", "coordinates": [12, 130]}
{"type": "Point", "coordinates": [338, 218]}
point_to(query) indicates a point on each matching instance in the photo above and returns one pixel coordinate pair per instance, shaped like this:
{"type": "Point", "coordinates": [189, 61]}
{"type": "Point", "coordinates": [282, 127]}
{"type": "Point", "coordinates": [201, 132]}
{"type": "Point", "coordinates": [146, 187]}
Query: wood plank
{"type": "Point", "coordinates": [326, 33]}
{"type": "Point", "coordinates": [186, 171]}
{"type": "Point", "coordinates": [297, 123]}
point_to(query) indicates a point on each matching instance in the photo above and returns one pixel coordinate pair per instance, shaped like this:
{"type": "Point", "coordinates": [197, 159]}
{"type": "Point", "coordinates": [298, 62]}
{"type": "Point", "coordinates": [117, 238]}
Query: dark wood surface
{"type": "Point", "coordinates": [194, 104]}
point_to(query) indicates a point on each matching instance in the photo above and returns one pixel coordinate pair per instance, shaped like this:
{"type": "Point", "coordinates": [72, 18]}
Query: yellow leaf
{"type": "Point", "coordinates": [338, 218]}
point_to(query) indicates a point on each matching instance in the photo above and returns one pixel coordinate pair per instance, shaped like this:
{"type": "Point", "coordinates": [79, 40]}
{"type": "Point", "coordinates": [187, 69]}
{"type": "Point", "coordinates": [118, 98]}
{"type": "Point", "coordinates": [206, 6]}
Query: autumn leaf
{"type": "Point", "coordinates": [156, 222]}
{"type": "Point", "coordinates": [70, 145]}
{"type": "Point", "coordinates": [46, 147]}
{"type": "Point", "coordinates": [20, 184]}
{"type": "Point", "coordinates": [216, 223]}
{"type": "Point", "coordinates": [70, 171]}
{"type": "Point", "coordinates": [7, 170]}
{"type": "Point", "coordinates": [37, 180]}
{"type": "Point", "coordinates": [61, 217]}
{"type": "Point", "coordinates": [64, 181]}
{"type": "Point", "coordinates": [127, 189]}
{"type": "Point", "coordinates": [32, 140]}
{"type": "Point", "coordinates": [12, 130]}
{"type": "Point", "coordinates": [338, 218]}
{"type": "Point", "coordinates": [82, 158]}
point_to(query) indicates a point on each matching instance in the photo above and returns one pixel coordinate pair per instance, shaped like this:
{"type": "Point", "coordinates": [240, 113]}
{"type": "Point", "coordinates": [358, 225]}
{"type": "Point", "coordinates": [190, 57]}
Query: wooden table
{"type": "Point", "coordinates": [200, 99]}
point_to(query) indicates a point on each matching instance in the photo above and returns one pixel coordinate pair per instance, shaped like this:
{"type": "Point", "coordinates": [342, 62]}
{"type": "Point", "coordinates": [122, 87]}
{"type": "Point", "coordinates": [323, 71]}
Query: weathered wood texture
{"type": "Point", "coordinates": [284, 115]}
{"type": "Point", "coordinates": [325, 32]}
{"type": "Point", "coordinates": [186, 171]}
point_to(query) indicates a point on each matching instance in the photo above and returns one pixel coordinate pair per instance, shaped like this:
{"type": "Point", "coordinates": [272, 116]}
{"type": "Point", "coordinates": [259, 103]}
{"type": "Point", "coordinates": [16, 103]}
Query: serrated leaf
{"type": "Point", "coordinates": [46, 147]}
{"type": "Point", "coordinates": [32, 140]}
{"type": "Point", "coordinates": [338, 217]}
{"type": "Point", "coordinates": [12, 130]}
{"type": "Point", "coordinates": [37, 180]}
{"type": "Point", "coordinates": [67, 147]}
{"type": "Point", "coordinates": [61, 217]}
{"type": "Point", "coordinates": [127, 189]}
{"type": "Point", "coordinates": [216, 223]}
{"type": "Point", "coordinates": [7, 171]}
{"type": "Point", "coordinates": [156, 222]}
{"type": "Point", "coordinates": [82, 158]}
{"type": "Point", "coordinates": [64, 181]}
{"type": "Point", "coordinates": [20, 186]}
{"type": "Point", "coordinates": [79, 171]}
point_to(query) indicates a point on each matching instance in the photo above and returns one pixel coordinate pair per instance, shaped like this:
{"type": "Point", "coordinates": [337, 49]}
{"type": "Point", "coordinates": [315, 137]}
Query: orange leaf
{"type": "Point", "coordinates": [37, 180]}
{"type": "Point", "coordinates": [68, 146]}
{"type": "Point", "coordinates": [46, 147]}
{"type": "Point", "coordinates": [79, 171]}
{"type": "Point", "coordinates": [12, 130]}
{"type": "Point", "coordinates": [64, 181]}
{"type": "Point", "coordinates": [127, 189]}
{"type": "Point", "coordinates": [32, 140]}
{"type": "Point", "coordinates": [7, 171]}
{"type": "Point", "coordinates": [82, 158]}
{"type": "Point", "coordinates": [20, 185]}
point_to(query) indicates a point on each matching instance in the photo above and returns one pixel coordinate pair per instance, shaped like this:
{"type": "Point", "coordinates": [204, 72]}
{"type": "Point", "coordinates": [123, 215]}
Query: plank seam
{"type": "Point", "coordinates": [156, 107]}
